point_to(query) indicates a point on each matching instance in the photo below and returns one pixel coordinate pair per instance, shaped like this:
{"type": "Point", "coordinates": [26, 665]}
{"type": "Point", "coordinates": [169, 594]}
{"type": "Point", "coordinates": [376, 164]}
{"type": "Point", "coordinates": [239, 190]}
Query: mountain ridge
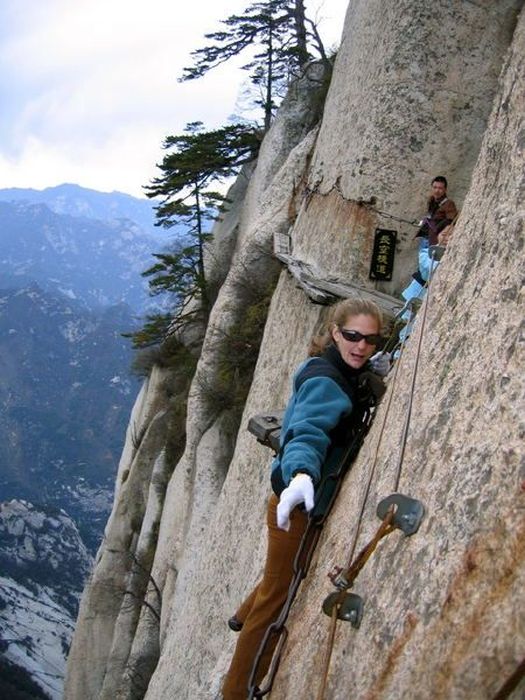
{"type": "Point", "coordinates": [75, 200]}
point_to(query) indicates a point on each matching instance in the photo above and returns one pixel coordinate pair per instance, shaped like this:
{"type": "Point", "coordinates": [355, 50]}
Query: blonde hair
{"type": "Point", "coordinates": [337, 317]}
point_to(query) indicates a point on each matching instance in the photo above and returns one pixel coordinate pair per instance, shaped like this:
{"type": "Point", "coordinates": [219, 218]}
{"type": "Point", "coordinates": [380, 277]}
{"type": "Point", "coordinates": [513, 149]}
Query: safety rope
{"type": "Point", "coordinates": [408, 414]}
{"type": "Point", "coordinates": [344, 579]}
{"type": "Point", "coordinates": [305, 553]}
{"type": "Point", "coordinates": [364, 499]}
{"type": "Point", "coordinates": [349, 576]}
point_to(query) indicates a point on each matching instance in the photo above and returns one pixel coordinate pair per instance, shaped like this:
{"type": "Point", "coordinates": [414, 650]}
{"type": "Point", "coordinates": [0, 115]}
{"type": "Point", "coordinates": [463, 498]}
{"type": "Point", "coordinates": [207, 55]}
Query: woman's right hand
{"type": "Point", "coordinates": [299, 490]}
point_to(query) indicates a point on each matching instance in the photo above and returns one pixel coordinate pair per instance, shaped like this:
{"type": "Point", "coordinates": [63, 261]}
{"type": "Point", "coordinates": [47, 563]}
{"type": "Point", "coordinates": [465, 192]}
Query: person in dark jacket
{"type": "Point", "coordinates": [441, 211]}
{"type": "Point", "coordinates": [440, 218]}
{"type": "Point", "coordinates": [325, 397]}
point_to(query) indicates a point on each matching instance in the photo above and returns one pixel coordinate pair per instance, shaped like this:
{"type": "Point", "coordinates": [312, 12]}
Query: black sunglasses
{"type": "Point", "coordinates": [356, 336]}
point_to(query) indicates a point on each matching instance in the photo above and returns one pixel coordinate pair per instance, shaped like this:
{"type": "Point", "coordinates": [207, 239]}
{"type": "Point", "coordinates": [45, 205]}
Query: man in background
{"type": "Point", "coordinates": [435, 228]}
{"type": "Point", "coordinates": [441, 211]}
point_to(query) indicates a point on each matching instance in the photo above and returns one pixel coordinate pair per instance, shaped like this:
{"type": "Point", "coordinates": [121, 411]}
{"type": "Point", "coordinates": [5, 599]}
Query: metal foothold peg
{"type": "Point", "coordinates": [350, 607]}
{"type": "Point", "coordinates": [436, 252]}
{"type": "Point", "coordinates": [408, 514]}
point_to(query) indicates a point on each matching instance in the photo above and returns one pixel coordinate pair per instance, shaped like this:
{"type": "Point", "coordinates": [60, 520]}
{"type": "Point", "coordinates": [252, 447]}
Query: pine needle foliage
{"type": "Point", "coordinates": [195, 160]}
{"type": "Point", "coordinates": [280, 34]}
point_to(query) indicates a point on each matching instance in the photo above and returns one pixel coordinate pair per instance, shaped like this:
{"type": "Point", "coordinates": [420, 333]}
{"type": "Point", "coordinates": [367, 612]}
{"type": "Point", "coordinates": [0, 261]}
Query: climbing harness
{"type": "Point", "coordinates": [331, 484]}
{"type": "Point", "coordinates": [395, 511]}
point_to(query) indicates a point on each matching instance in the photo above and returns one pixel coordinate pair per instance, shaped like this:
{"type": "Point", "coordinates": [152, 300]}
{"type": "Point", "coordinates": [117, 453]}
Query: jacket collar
{"type": "Point", "coordinates": [333, 356]}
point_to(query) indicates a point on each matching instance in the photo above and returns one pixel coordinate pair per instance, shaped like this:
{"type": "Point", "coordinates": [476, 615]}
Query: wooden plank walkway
{"type": "Point", "coordinates": [327, 291]}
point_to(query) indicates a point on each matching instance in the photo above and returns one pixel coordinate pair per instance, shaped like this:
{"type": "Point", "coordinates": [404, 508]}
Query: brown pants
{"type": "Point", "coordinates": [263, 605]}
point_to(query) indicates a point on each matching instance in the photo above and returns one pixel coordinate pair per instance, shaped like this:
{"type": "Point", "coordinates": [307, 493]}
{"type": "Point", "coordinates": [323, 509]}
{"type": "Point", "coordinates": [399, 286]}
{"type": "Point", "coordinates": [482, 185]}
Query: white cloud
{"type": "Point", "coordinates": [91, 86]}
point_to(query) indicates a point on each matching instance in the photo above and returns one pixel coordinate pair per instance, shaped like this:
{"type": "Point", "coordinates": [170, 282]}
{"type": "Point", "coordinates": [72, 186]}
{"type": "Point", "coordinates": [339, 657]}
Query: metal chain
{"type": "Point", "coordinates": [387, 215]}
{"type": "Point", "coordinates": [349, 577]}
{"type": "Point", "coordinates": [311, 537]}
{"type": "Point", "coordinates": [310, 191]}
{"type": "Point", "coordinates": [364, 499]}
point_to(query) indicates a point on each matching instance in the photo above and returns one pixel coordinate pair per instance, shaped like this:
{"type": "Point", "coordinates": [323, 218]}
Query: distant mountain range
{"type": "Point", "coordinates": [66, 395]}
{"type": "Point", "coordinates": [73, 200]}
{"type": "Point", "coordinates": [70, 284]}
{"type": "Point", "coordinates": [48, 238]}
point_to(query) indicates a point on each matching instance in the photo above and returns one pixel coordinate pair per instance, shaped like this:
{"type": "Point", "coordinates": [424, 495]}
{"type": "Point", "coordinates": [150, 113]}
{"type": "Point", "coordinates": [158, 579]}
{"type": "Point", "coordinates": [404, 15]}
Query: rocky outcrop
{"type": "Point", "coordinates": [315, 184]}
{"type": "Point", "coordinates": [415, 83]}
{"type": "Point", "coordinates": [197, 481]}
{"type": "Point", "coordinates": [113, 598]}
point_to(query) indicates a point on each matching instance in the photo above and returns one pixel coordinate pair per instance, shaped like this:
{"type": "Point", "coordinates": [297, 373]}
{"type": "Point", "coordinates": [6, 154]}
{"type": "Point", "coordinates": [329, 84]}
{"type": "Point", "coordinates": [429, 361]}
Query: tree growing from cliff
{"type": "Point", "coordinates": [281, 33]}
{"type": "Point", "coordinates": [196, 160]}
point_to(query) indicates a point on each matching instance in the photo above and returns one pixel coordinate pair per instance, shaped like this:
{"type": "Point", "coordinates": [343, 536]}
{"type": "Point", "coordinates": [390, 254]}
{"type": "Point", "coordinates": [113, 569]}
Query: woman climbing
{"type": "Point", "coordinates": [325, 405]}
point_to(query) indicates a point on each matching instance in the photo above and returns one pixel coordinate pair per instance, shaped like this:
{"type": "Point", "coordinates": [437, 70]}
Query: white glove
{"type": "Point", "coordinates": [381, 363]}
{"type": "Point", "coordinates": [299, 490]}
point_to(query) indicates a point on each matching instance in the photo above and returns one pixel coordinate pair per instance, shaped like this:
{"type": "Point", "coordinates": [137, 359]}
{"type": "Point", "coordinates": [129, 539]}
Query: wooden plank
{"type": "Point", "coordinates": [327, 291]}
{"type": "Point", "coordinates": [299, 271]}
{"type": "Point", "coordinates": [390, 305]}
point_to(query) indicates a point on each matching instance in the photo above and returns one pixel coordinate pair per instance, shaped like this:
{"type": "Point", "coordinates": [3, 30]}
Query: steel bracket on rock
{"type": "Point", "coordinates": [408, 512]}
{"type": "Point", "coordinates": [350, 607]}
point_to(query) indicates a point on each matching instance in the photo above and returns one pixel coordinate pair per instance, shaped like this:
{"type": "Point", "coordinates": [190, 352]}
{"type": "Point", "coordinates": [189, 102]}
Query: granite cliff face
{"type": "Point", "coordinates": [411, 94]}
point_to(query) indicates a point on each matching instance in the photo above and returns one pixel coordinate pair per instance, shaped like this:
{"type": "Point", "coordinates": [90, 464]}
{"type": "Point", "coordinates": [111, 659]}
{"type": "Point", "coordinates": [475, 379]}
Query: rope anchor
{"type": "Point", "coordinates": [396, 511]}
{"type": "Point", "coordinates": [349, 607]}
{"type": "Point", "coordinates": [408, 513]}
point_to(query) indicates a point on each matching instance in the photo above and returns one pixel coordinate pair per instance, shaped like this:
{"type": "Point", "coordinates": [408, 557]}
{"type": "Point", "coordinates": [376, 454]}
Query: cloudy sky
{"type": "Point", "coordinates": [88, 88]}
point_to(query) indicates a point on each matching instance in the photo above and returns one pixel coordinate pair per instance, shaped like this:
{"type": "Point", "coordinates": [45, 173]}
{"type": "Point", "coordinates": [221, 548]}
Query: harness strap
{"type": "Point", "coordinates": [331, 483]}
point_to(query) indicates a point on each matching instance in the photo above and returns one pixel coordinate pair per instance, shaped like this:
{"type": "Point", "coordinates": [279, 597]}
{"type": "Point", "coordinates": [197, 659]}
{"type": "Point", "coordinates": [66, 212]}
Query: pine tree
{"type": "Point", "coordinates": [195, 161]}
{"type": "Point", "coordinates": [278, 28]}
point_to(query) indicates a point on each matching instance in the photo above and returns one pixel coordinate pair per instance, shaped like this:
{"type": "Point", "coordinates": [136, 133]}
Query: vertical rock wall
{"type": "Point", "coordinates": [411, 93]}
{"type": "Point", "coordinates": [412, 89]}
{"type": "Point", "coordinates": [105, 606]}
{"type": "Point", "coordinates": [191, 500]}
{"type": "Point", "coordinates": [116, 641]}
{"type": "Point", "coordinates": [444, 615]}
{"type": "Point", "coordinates": [197, 645]}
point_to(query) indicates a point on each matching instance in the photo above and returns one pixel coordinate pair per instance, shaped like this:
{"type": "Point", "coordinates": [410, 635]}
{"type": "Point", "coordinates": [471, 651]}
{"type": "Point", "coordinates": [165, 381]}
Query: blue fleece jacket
{"type": "Point", "coordinates": [313, 411]}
